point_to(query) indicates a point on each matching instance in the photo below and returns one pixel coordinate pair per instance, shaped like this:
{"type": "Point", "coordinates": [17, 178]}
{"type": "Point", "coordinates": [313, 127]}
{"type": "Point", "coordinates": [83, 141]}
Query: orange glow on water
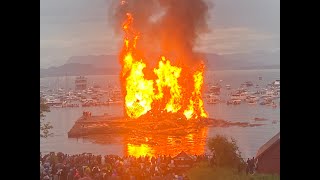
{"type": "Point", "coordinates": [139, 150]}
{"type": "Point", "coordinates": [153, 145]}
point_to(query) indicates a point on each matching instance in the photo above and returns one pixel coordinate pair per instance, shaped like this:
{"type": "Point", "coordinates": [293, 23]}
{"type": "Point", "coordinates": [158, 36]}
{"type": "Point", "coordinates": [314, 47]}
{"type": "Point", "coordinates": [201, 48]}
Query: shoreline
{"type": "Point", "coordinates": [108, 125]}
{"type": "Point", "coordinates": [222, 70]}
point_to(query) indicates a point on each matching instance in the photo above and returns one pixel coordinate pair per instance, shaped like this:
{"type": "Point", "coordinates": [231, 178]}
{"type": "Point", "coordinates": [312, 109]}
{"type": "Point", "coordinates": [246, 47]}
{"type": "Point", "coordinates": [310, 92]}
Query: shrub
{"type": "Point", "coordinates": [226, 152]}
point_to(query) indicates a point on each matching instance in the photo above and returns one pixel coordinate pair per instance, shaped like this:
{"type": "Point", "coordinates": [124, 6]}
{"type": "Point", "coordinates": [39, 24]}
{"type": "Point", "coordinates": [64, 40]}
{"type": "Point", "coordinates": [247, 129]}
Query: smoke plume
{"type": "Point", "coordinates": [169, 27]}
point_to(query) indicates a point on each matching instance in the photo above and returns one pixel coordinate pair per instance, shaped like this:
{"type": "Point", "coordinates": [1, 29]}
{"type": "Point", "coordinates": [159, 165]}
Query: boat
{"type": "Point", "coordinates": [252, 98]}
{"type": "Point", "coordinates": [259, 119]}
{"type": "Point", "coordinates": [228, 87]}
{"type": "Point", "coordinates": [234, 102]}
{"type": "Point", "coordinates": [274, 105]}
{"type": "Point", "coordinates": [263, 103]}
{"type": "Point", "coordinates": [214, 90]}
{"type": "Point", "coordinates": [112, 101]}
{"type": "Point", "coordinates": [229, 102]}
{"type": "Point", "coordinates": [248, 83]}
{"type": "Point", "coordinates": [267, 94]}
{"type": "Point", "coordinates": [267, 102]}
{"type": "Point", "coordinates": [70, 105]}
{"type": "Point", "coordinates": [257, 93]}
{"type": "Point", "coordinates": [80, 83]}
{"type": "Point", "coordinates": [54, 103]}
{"type": "Point", "coordinates": [89, 91]}
{"type": "Point", "coordinates": [212, 99]}
{"type": "Point", "coordinates": [239, 95]}
{"type": "Point", "coordinates": [115, 96]}
{"type": "Point", "coordinates": [276, 83]}
{"type": "Point", "coordinates": [252, 102]}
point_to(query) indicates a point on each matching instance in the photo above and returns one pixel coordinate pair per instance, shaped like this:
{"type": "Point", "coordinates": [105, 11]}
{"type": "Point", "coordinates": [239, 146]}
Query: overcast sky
{"type": "Point", "coordinates": [80, 27]}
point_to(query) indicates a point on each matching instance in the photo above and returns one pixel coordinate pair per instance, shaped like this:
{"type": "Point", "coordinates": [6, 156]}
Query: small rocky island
{"type": "Point", "coordinates": [166, 123]}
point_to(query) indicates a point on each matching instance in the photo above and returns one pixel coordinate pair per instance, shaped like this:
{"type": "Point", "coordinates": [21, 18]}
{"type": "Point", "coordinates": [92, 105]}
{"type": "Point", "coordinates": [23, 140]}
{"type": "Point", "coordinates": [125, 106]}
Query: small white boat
{"type": "Point", "coordinates": [239, 96]}
{"type": "Point", "coordinates": [274, 105]}
{"type": "Point", "coordinates": [212, 101]}
{"type": "Point", "coordinates": [252, 98]}
{"type": "Point", "coordinates": [234, 102]}
{"type": "Point", "coordinates": [252, 102]}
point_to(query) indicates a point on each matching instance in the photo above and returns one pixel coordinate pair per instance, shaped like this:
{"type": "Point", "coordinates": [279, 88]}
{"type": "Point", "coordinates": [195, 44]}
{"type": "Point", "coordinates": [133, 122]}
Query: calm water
{"type": "Point", "coordinates": [249, 139]}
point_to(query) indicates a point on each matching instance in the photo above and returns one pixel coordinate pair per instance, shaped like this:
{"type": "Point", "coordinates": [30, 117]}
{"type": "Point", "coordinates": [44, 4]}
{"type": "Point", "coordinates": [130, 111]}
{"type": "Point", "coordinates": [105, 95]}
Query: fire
{"type": "Point", "coordinates": [166, 91]}
{"type": "Point", "coordinates": [196, 101]}
{"type": "Point", "coordinates": [168, 77]}
{"type": "Point", "coordinates": [139, 91]}
{"type": "Point", "coordinates": [140, 150]}
{"type": "Point", "coordinates": [192, 143]}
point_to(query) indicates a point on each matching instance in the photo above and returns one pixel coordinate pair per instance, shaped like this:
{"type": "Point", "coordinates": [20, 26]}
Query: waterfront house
{"type": "Point", "coordinates": [268, 156]}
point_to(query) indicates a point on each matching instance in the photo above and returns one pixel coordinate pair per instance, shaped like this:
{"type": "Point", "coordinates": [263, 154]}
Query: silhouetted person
{"type": "Point", "coordinates": [253, 165]}
{"type": "Point", "coordinates": [248, 164]}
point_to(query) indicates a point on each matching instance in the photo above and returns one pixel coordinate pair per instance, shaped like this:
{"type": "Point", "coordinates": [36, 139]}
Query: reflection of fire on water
{"type": "Point", "coordinates": [140, 150]}
{"type": "Point", "coordinates": [154, 145]}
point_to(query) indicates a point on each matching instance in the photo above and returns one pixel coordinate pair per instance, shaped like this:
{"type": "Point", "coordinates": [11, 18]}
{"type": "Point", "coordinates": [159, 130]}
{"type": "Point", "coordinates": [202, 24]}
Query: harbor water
{"type": "Point", "coordinates": [249, 139]}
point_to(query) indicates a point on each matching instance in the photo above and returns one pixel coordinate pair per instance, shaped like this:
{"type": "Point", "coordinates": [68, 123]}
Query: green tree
{"type": "Point", "coordinates": [226, 152]}
{"type": "Point", "coordinates": [44, 127]}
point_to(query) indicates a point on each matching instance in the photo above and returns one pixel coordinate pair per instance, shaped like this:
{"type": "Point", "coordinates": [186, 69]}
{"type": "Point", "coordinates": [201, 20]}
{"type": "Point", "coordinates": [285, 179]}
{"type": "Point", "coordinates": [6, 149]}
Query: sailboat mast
{"type": "Point", "coordinates": [66, 81]}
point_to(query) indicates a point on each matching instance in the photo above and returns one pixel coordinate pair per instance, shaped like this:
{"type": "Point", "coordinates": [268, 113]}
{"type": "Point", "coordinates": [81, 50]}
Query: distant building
{"type": "Point", "coordinates": [268, 156]}
{"type": "Point", "coordinates": [183, 161]}
{"type": "Point", "coordinates": [80, 83]}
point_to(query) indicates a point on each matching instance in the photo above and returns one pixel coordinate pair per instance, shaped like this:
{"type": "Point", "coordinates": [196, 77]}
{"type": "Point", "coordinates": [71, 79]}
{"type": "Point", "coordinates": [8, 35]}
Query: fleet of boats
{"type": "Point", "coordinates": [246, 93]}
{"type": "Point", "coordinates": [83, 96]}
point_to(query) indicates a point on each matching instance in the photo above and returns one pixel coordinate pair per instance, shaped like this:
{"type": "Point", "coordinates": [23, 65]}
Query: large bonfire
{"type": "Point", "coordinates": [162, 75]}
{"type": "Point", "coordinates": [170, 89]}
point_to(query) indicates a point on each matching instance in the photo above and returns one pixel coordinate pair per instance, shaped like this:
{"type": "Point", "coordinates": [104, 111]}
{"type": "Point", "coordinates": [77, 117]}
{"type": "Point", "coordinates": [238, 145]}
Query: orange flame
{"type": "Point", "coordinates": [168, 77]}
{"type": "Point", "coordinates": [196, 101]}
{"type": "Point", "coordinates": [140, 95]}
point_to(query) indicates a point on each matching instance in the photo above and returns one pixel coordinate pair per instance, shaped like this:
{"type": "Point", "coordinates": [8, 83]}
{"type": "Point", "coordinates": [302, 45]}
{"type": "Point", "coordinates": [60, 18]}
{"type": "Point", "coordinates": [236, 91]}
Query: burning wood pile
{"type": "Point", "coordinates": [161, 74]}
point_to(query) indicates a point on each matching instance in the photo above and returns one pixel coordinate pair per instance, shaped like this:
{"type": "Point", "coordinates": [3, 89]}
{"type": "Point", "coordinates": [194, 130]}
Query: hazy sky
{"type": "Point", "coordinates": [80, 27]}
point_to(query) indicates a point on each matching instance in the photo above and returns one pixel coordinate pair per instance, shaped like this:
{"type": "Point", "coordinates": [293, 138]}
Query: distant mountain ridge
{"type": "Point", "coordinates": [110, 61]}
{"type": "Point", "coordinates": [77, 69]}
{"type": "Point", "coordinates": [259, 60]}
{"type": "Point", "coordinates": [109, 64]}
